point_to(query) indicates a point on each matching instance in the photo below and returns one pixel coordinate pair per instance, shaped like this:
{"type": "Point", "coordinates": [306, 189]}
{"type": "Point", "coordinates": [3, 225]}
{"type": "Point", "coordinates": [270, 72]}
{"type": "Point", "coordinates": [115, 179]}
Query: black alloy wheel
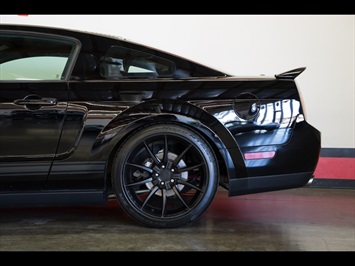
{"type": "Point", "coordinates": [165, 176]}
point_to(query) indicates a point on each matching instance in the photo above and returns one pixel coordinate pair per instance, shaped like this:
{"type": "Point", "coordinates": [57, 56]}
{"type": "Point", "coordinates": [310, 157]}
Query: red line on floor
{"type": "Point", "coordinates": [335, 168]}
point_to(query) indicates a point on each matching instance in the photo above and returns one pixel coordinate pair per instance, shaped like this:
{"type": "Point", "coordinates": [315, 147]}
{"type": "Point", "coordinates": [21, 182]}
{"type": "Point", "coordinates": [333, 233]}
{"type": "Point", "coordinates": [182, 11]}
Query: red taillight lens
{"type": "Point", "coordinates": [259, 155]}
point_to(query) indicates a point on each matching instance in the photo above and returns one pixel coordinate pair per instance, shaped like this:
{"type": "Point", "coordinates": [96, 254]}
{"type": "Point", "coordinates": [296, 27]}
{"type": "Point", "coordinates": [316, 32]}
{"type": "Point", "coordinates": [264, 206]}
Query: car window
{"type": "Point", "coordinates": [34, 68]}
{"type": "Point", "coordinates": [27, 57]}
{"type": "Point", "coordinates": [122, 62]}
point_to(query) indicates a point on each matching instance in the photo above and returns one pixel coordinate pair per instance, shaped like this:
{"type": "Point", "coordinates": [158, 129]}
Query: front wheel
{"type": "Point", "coordinates": [165, 176]}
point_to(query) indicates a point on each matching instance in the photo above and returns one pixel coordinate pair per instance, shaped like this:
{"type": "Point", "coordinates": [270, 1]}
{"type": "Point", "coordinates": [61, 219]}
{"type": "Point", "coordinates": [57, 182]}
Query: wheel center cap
{"type": "Point", "coordinates": [165, 175]}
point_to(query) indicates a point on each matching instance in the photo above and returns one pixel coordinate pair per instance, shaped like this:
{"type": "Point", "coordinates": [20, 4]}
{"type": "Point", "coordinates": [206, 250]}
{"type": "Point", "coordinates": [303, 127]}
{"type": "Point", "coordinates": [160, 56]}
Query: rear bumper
{"type": "Point", "coordinates": [292, 166]}
{"type": "Point", "coordinates": [257, 184]}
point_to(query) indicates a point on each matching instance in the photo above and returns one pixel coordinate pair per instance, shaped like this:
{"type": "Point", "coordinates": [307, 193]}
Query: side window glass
{"type": "Point", "coordinates": [29, 57]}
{"type": "Point", "coordinates": [122, 62]}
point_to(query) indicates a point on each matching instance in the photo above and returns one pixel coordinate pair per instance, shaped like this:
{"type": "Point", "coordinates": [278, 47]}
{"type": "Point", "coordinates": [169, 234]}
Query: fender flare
{"type": "Point", "coordinates": [176, 111]}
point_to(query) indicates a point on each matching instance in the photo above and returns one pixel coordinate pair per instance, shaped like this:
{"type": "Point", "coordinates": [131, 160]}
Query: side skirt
{"type": "Point", "coordinates": [55, 198]}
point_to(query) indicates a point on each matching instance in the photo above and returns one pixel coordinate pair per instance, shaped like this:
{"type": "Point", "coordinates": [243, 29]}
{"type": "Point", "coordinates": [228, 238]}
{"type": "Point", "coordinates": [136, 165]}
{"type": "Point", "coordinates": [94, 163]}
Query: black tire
{"type": "Point", "coordinates": [165, 189]}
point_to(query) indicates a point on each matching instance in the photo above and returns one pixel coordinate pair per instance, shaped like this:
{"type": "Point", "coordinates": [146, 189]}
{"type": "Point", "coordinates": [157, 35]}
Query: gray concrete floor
{"type": "Point", "coordinates": [303, 219]}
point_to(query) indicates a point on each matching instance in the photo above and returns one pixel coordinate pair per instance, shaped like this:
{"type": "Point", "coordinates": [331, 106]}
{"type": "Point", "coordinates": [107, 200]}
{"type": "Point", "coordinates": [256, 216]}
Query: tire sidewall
{"type": "Point", "coordinates": [124, 198]}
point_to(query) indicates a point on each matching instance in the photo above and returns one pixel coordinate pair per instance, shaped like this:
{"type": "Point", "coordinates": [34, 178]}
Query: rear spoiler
{"type": "Point", "coordinates": [291, 74]}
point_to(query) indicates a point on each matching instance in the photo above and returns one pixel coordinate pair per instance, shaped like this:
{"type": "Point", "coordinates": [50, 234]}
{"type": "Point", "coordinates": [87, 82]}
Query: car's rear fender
{"type": "Point", "coordinates": [153, 112]}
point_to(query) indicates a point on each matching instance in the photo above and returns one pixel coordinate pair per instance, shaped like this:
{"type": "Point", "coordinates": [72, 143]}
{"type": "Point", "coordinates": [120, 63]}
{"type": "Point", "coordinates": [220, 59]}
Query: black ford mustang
{"type": "Point", "coordinates": [86, 117]}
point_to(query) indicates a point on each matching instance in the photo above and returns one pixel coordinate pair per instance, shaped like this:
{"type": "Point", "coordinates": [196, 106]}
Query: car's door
{"type": "Point", "coordinates": [33, 102]}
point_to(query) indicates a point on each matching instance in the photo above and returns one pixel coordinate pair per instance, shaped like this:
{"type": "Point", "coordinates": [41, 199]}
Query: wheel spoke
{"type": "Point", "coordinates": [152, 192]}
{"type": "Point", "coordinates": [165, 156]}
{"type": "Point", "coordinates": [184, 169]}
{"type": "Point", "coordinates": [149, 170]}
{"type": "Point", "coordinates": [178, 158]}
{"type": "Point", "coordinates": [140, 182]}
{"type": "Point", "coordinates": [138, 192]}
{"type": "Point", "coordinates": [189, 185]}
{"type": "Point", "coordinates": [151, 154]}
{"type": "Point", "coordinates": [179, 196]}
{"type": "Point", "coordinates": [163, 203]}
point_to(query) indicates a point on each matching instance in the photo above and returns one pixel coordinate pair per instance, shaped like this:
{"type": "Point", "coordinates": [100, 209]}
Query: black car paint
{"type": "Point", "coordinates": [69, 162]}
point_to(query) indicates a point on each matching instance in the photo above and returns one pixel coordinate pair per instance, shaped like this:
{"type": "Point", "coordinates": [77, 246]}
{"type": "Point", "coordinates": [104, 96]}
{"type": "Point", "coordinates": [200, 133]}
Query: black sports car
{"type": "Point", "coordinates": [86, 117]}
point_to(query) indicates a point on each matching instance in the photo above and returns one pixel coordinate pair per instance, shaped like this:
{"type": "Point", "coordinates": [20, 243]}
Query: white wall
{"type": "Point", "coordinates": [251, 44]}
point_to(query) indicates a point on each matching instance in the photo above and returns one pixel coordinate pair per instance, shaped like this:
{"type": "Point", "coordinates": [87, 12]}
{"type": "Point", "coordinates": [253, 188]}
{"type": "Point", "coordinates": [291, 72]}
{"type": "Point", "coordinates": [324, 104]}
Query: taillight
{"type": "Point", "coordinates": [259, 155]}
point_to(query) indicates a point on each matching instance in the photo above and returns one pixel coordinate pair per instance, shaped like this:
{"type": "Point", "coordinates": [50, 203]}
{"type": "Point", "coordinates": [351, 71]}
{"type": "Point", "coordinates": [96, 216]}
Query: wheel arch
{"type": "Point", "coordinates": [229, 157]}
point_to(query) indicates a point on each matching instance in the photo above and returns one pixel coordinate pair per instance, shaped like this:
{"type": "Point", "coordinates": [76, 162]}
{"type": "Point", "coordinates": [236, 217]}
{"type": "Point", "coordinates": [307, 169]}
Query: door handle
{"type": "Point", "coordinates": [41, 101]}
{"type": "Point", "coordinates": [35, 102]}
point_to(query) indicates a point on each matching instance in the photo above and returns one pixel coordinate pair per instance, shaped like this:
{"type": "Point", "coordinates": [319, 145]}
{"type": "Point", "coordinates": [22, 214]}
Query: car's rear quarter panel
{"type": "Point", "coordinates": [111, 110]}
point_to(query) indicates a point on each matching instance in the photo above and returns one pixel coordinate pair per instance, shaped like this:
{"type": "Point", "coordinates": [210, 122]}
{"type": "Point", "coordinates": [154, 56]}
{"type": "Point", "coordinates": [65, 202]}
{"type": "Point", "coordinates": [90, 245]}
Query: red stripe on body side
{"type": "Point", "coordinates": [335, 168]}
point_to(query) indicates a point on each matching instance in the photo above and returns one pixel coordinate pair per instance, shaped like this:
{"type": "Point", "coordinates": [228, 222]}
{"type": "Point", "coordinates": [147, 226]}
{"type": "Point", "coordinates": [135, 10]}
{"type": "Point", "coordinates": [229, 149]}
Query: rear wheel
{"type": "Point", "coordinates": [165, 176]}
